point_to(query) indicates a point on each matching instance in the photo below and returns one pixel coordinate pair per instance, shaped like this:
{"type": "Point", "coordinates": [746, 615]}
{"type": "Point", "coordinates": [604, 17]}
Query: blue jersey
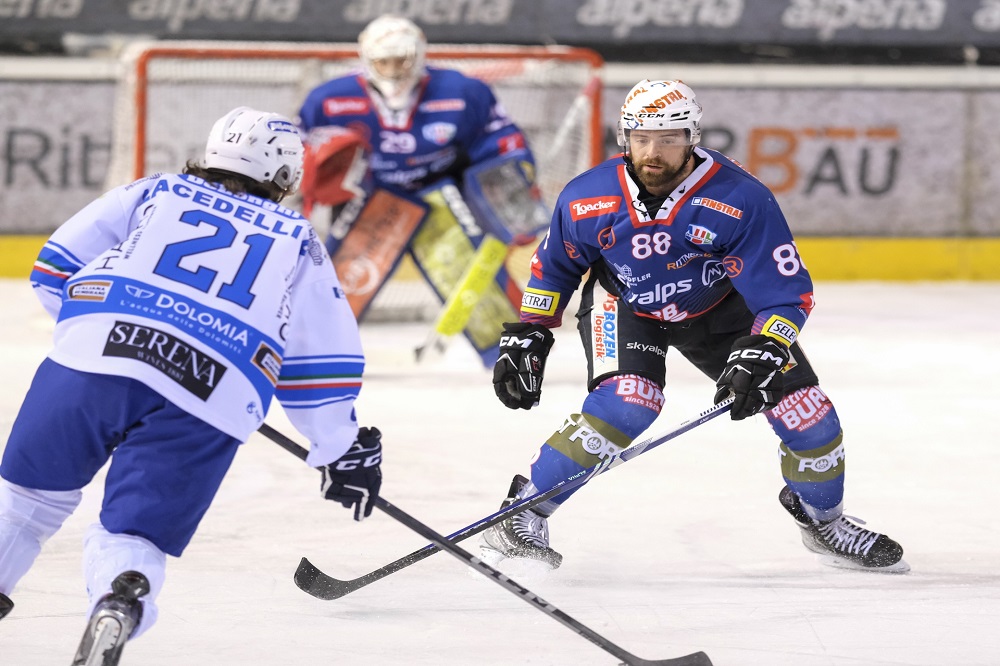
{"type": "Point", "coordinates": [720, 229]}
{"type": "Point", "coordinates": [454, 121]}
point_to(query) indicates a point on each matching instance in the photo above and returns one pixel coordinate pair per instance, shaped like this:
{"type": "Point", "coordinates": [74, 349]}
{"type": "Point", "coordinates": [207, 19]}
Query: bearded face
{"type": "Point", "coordinates": [660, 158]}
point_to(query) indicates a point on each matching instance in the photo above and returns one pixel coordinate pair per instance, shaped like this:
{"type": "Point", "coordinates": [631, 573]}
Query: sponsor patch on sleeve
{"type": "Point", "coordinates": [268, 362]}
{"type": "Point", "coordinates": [781, 329]}
{"type": "Point", "coordinates": [90, 290]}
{"type": "Point", "coordinates": [538, 301]}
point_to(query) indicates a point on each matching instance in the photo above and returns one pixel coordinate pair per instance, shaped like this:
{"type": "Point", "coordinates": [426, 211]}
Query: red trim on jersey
{"type": "Point", "coordinates": [61, 276]}
{"type": "Point", "coordinates": [511, 142]}
{"type": "Point", "coordinates": [669, 219]}
{"type": "Point", "coordinates": [514, 294]}
{"type": "Point", "coordinates": [690, 316]}
{"type": "Point", "coordinates": [422, 85]}
{"type": "Point", "coordinates": [687, 195]}
{"type": "Point", "coordinates": [632, 213]}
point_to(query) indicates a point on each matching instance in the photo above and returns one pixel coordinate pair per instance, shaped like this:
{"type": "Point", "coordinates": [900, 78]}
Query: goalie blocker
{"type": "Point", "coordinates": [442, 226]}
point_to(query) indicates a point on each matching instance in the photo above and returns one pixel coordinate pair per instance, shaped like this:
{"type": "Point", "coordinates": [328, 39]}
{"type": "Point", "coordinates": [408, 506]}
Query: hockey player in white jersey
{"type": "Point", "coordinates": [184, 303]}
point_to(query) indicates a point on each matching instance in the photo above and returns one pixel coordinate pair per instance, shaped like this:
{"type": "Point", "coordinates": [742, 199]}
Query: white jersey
{"type": "Point", "coordinates": [216, 301]}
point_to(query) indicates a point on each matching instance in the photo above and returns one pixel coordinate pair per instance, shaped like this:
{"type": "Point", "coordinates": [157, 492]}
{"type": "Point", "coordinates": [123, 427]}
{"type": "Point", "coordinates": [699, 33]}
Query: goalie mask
{"type": "Point", "coordinates": [660, 105]}
{"type": "Point", "coordinates": [262, 146]}
{"type": "Point", "coordinates": [392, 52]}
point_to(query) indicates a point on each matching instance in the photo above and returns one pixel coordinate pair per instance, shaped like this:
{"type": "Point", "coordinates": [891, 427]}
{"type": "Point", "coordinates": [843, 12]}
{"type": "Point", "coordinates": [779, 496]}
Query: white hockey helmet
{"type": "Point", "coordinates": [260, 145]}
{"type": "Point", "coordinates": [660, 105]}
{"type": "Point", "coordinates": [392, 50]}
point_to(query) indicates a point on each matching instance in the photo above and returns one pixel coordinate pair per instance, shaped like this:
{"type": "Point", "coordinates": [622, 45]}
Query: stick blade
{"type": "Point", "coordinates": [314, 582]}
{"type": "Point", "coordinates": [693, 659]}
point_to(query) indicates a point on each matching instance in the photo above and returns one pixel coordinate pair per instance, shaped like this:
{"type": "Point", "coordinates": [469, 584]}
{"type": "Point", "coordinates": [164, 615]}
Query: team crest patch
{"type": "Point", "coordinates": [723, 208]}
{"type": "Point", "coordinates": [699, 235]}
{"type": "Point", "coordinates": [439, 133]}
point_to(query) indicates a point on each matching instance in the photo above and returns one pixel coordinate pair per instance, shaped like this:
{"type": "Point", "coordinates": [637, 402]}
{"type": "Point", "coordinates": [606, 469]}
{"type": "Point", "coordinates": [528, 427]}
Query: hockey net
{"type": "Point", "coordinates": [170, 93]}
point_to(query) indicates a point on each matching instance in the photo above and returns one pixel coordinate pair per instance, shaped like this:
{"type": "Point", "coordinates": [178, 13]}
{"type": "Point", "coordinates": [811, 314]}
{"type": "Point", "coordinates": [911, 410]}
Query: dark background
{"type": "Point", "coordinates": [834, 32]}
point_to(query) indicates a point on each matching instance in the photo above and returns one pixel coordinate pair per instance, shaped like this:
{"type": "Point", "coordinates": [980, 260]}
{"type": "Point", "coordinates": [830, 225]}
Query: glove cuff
{"type": "Point", "coordinates": [528, 329]}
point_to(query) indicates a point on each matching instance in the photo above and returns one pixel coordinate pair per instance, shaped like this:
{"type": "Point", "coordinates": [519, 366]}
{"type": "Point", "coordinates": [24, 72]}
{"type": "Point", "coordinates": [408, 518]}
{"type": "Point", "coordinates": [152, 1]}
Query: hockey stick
{"type": "Point", "coordinates": [693, 659]}
{"type": "Point", "coordinates": [311, 580]}
{"type": "Point", "coordinates": [464, 298]}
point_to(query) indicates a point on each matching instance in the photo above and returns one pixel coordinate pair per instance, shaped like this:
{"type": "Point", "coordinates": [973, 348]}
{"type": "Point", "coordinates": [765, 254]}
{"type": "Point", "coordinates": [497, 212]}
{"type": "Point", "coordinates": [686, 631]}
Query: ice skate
{"type": "Point", "coordinates": [114, 619]}
{"type": "Point", "coordinates": [6, 605]}
{"type": "Point", "coordinates": [524, 536]}
{"type": "Point", "coordinates": [843, 543]}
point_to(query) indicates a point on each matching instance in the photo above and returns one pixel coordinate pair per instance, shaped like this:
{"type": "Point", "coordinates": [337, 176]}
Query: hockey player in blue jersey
{"type": "Point", "coordinates": [397, 152]}
{"type": "Point", "coordinates": [422, 123]}
{"type": "Point", "coordinates": [685, 250]}
{"type": "Point", "coordinates": [184, 303]}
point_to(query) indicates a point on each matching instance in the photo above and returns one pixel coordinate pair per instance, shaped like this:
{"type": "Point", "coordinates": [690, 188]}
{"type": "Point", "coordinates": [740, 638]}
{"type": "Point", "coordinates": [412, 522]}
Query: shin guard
{"type": "Point", "coordinates": [614, 414]}
{"type": "Point", "coordinates": [812, 450]}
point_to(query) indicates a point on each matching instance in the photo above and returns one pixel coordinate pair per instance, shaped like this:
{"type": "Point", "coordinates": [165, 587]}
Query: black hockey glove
{"type": "Point", "coordinates": [517, 375]}
{"type": "Point", "coordinates": [355, 478]}
{"type": "Point", "coordinates": [753, 375]}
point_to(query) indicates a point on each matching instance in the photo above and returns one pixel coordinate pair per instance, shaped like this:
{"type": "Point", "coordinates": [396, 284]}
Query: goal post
{"type": "Point", "coordinates": [169, 93]}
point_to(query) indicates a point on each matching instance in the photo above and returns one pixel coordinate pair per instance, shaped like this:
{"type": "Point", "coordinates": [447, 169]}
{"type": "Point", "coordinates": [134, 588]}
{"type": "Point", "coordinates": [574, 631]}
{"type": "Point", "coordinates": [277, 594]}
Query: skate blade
{"type": "Point", "coordinates": [900, 567]}
{"type": "Point", "coordinates": [490, 556]}
{"type": "Point", "coordinates": [522, 569]}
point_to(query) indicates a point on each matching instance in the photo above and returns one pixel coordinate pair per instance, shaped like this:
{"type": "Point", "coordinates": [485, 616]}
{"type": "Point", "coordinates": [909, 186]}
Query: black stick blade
{"type": "Point", "coordinates": [693, 659]}
{"type": "Point", "coordinates": [314, 582]}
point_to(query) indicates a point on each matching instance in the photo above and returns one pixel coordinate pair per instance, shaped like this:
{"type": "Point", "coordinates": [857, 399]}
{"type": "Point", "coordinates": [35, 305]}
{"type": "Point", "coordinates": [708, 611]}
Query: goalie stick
{"type": "Point", "coordinates": [464, 298]}
{"type": "Point", "coordinates": [515, 588]}
{"type": "Point", "coordinates": [311, 580]}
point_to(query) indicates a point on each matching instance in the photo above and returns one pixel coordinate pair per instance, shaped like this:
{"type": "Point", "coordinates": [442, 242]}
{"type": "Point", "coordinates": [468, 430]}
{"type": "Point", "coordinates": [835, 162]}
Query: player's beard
{"type": "Point", "coordinates": [653, 180]}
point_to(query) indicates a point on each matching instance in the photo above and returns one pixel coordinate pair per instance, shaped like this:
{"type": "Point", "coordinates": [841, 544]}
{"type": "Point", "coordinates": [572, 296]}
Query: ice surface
{"type": "Point", "coordinates": [683, 549]}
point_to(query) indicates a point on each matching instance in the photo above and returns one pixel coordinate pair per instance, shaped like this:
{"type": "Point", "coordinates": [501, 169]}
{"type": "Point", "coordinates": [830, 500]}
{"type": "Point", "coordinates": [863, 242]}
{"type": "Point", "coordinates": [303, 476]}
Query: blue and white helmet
{"type": "Point", "coordinates": [260, 145]}
{"type": "Point", "coordinates": [660, 105]}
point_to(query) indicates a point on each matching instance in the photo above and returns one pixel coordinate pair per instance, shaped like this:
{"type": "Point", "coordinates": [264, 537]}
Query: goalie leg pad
{"type": "Point", "coordinates": [812, 450]}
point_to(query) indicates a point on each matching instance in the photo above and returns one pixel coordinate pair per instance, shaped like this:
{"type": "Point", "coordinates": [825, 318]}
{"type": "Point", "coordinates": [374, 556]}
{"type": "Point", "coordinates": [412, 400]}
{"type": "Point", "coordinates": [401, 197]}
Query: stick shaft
{"type": "Point", "coordinates": [315, 582]}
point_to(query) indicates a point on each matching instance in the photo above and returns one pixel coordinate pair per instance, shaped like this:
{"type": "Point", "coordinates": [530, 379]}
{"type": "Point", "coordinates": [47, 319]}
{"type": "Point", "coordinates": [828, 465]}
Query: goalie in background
{"type": "Point", "coordinates": [184, 304]}
{"type": "Point", "coordinates": [403, 156]}
{"type": "Point", "coordinates": [685, 250]}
